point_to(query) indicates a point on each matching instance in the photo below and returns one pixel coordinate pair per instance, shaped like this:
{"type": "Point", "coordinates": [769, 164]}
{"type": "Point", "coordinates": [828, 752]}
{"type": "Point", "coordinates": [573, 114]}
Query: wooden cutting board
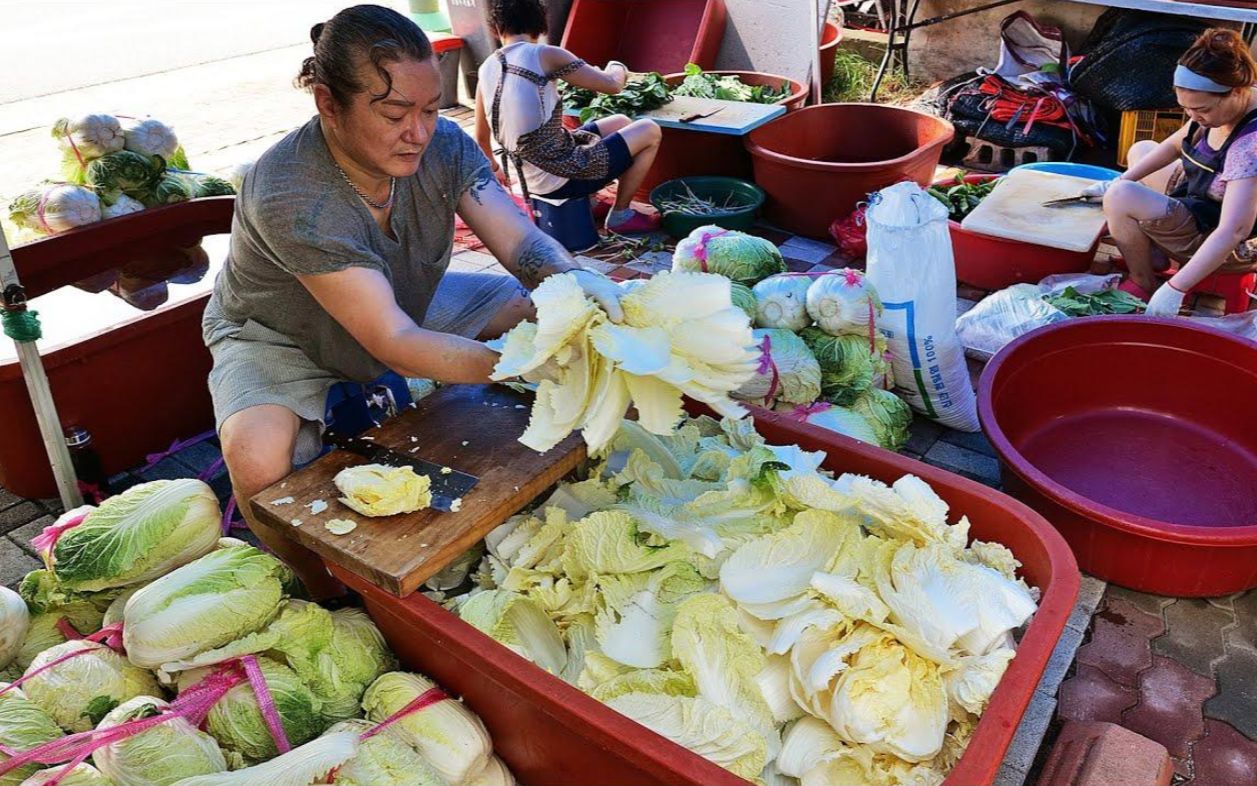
{"type": "Point", "coordinates": [735, 118]}
{"type": "Point", "coordinates": [471, 428]}
{"type": "Point", "coordinates": [1014, 210]}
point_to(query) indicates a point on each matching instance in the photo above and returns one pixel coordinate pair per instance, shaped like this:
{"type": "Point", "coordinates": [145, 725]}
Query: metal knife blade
{"type": "Point", "coordinates": [446, 486]}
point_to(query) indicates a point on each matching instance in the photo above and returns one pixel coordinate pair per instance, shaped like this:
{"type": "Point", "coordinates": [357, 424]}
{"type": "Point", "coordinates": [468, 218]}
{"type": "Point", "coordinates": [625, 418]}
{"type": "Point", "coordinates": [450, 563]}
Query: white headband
{"type": "Point", "coordinates": [1187, 79]}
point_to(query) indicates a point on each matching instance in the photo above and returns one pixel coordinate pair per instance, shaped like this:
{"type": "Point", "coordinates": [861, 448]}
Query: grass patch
{"type": "Point", "coordinates": [853, 79]}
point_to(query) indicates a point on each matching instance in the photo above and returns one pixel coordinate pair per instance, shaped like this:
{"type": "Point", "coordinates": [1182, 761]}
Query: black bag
{"type": "Point", "coordinates": [1131, 57]}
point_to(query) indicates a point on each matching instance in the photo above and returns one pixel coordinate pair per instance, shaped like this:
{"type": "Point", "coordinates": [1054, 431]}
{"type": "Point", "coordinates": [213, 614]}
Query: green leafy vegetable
{"type": "Point", "coordinates": [961, 198]}
{"type": "Point", "coordinates": [641, 94]}
{"type": "Point", "coordinates": [728, 87]}
{"type": "Point", "coordinates": [1107, 301]}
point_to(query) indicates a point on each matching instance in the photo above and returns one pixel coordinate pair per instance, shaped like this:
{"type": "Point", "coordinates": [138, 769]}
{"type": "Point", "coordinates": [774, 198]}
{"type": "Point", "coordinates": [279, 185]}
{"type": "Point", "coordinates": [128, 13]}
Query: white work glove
{"type": "Point", "coordinates": [1098, 189]}
{"type": "Point", "coordinates": [603, 290]}
{"type": "Point", "coordinates": [1165, 302]}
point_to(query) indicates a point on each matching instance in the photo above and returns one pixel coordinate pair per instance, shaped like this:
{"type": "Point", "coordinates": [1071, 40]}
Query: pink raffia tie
{"type": "Point", "coordinates": [266, 702]}
{"type": "Point", "coordinates": [767, 366]}
{"type": "Point", "coordinates": [110, 636]}
{"type": "Point", "coordinates": [701, 252]}
{"type": "Point", "coordinates": [426, 699]}
{"type": "Point", "coordinates": [155, 458]}
{"type": "Point", "coordinates": [193, 705]}
{"type": "Point", "coordinates": [802, 412]}
{"type": "Point", "coordinates": [46, 541]}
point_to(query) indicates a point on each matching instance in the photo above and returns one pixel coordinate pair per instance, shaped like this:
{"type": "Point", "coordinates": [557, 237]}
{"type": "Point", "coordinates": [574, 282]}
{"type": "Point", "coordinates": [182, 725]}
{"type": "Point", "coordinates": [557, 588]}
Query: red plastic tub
{"type": "Point", "coordinates": [646, 35]}
{"type": "Point", "coordinates": [686, 153]}
{"type": "Point", "coordinates": [549, 732]}
{"type": "Point", "coordinates": [129, 366]}
{"type": "Point", "coordinates": [1137, 439]}
{"type": "Point", "coordinates": [817, 163]}
{"type": "Point", "coordinates": [831, 37]}
{"type": "Point", "coordinates": [994, 263]}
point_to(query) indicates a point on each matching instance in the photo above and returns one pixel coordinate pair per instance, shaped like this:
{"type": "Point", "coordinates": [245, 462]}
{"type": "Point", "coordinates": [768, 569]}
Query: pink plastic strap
{"type": "Point", "coordinates": [69, 137]}
{"type": "Point", "coordinates": [110, 636]}
{"type": "Point", "coordinates": [193, 704]}
{"type": "Point", "coordinates": [266, 702]}
{"type": "Point", "coordinates": [43, 202]}
{"type": "Point", "coordinates": [804, 411]}
{"type": "Point", "coordinates": [154, 458]}
{"type": "Point", "coordinates": [211, 470]}
{"type": "Point", "coordinates": [426, 699]}
{"type": "Point", "coordinates": [63, 625]}
{"type": "Point", "coordinates": [67, 769]}
{"type": "Point", "coordinates": [766, 365]}
{"type": "Point", "coordinates": [56, 662]}
{"type": "Point", "coordinates": [46, 541]}
{"type": "Point", "coordinates": [701, 251]}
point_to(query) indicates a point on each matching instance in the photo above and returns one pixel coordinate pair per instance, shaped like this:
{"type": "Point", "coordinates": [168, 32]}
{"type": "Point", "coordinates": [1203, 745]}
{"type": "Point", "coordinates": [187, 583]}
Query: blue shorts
{"type": "Point", "coordinates": [620, 160]}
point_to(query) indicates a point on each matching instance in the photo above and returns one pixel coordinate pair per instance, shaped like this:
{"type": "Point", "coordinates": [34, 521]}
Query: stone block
{"type": "Point", "coordinates": [1105, 754]}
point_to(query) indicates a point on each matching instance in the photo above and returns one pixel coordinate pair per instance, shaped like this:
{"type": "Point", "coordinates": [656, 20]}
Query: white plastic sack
{"type": "Point", "coordinates": [1003, 316]}
{"type": "Point", "coordinates": [910, 264]}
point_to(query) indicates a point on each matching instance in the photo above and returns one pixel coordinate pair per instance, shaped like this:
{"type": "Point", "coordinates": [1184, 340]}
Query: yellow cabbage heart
{"type": "Point", "coordinates": [378, 490]}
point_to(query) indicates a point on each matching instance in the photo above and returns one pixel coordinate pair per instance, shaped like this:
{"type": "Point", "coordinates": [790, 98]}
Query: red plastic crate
{"type": "Point", "coordinates": [550, 732]}
{"type": "Point", "coordinates": [647, 35]}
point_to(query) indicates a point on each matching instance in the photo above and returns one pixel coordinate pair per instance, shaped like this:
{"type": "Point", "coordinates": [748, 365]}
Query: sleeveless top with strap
{"type": "Point", "coordinates": [1201, 164]}
{"type": "Point", "coordinates": [576, 155]}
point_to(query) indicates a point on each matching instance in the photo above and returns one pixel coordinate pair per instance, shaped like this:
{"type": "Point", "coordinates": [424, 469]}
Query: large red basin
{"type": "Point", "coordinates": [992, 263]}
{"type": "Point", "coordinates": [550, 733]}
{"type": "Point", "coordinates": [817, 163]}
{"type": "Point", "coordinates": [1137, 438]}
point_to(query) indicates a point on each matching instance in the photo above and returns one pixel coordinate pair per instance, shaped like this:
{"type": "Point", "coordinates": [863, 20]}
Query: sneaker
{"type": "Point", "coordinates": [637, 223]}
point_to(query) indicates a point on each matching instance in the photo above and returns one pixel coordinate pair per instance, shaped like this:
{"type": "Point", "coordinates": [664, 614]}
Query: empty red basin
{"type": "Point", "coordinates": [816, 163]}
{"type": "Point", "coordinates": [1137, 439]}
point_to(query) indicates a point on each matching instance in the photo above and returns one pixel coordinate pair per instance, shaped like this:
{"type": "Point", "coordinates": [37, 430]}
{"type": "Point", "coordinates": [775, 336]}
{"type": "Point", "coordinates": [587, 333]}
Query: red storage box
{"type": "Point", "coordinates": [134, 378]}
{"type": "Point", "coordinates": [550, 732]}
{"type": "Point", "coordinates": [646, 35]}
{"type": "Point", "coordinates": [994, 263]}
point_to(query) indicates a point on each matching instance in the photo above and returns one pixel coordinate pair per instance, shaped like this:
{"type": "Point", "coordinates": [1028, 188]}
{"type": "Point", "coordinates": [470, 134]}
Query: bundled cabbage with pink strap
{"type": "Point", "coordinates": [737, 256]}
{"type": "Point", "coordinates": [787, 371]}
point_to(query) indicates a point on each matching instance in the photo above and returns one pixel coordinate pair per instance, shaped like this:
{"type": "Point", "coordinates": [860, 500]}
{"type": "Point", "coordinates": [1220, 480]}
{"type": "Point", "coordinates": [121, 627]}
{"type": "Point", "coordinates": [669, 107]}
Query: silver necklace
{"type": "Point", "coordinates": [385, 205]}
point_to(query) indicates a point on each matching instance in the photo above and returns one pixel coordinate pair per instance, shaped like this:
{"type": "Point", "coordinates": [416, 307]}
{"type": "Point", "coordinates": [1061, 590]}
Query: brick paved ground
{"type": "Point", "coordinates": [1182, 672]}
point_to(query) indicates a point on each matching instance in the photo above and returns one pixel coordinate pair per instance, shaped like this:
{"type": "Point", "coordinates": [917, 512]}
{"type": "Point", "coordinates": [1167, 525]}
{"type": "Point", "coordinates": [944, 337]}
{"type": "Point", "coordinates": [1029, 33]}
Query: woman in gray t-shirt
{"type": "Point", "coordinates": [339, 247]}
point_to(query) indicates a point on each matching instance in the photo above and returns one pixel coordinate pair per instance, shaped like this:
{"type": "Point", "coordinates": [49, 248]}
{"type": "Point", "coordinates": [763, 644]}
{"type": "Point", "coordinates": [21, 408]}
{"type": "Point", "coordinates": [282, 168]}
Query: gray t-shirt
{"type": "Point", "coordinates": [296, 215]}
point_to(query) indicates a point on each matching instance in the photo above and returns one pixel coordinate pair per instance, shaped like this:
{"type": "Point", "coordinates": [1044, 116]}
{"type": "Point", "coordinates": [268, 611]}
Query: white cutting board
{"type": "Point", "coordinates": [1014, 210]}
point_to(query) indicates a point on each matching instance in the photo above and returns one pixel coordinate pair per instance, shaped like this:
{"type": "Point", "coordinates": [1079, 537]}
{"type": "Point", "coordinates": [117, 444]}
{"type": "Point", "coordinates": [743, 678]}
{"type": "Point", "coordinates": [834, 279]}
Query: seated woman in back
{"type": "Point", "coordinates": [518, 105]}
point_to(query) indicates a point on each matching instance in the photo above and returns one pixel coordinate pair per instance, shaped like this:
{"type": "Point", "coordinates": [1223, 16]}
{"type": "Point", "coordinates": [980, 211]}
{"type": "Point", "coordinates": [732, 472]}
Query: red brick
{"type": "Point", "coordinates": [1169, 708]}
{"type": "Point", "coordinates": [1223, 757]}
{"type": "Point", "coordinates": [1105, 754]}
{"type": "Point", "coordinates": [1091, 696]}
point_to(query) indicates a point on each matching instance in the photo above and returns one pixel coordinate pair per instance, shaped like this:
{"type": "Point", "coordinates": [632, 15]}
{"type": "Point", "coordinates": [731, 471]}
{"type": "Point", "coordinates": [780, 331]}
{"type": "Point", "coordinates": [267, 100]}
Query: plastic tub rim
{"type": "Point", "coordinates": [831, 166]}
{"type": "Point", "coordinates": [796, 94]}
{"type": "Point", "coordinates": [1012, 460]}
{"type": "Point", "coordinates": [752, 208]}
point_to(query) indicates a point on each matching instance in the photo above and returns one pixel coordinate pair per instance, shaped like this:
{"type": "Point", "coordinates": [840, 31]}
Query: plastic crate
{"type": "Point", "coordinates": [1154, 124]}
{"type": "Point", "coordinates": [550, 732]}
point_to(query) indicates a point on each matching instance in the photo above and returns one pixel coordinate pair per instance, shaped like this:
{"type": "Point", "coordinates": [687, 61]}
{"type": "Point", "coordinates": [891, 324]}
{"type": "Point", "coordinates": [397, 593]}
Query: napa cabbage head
{"type": "Point", "coordinates": [236, 719]}
{"type": "Point", "coordinates": [743, 298]}
{"type": "Point", "coordinates": [78, 692]}
{"type": "Point", "coordinates": [850, 364]}
{"type": "Point", "coordinates": [81, 775]}
{"type": "Point", "coordinates": [139, 535]}
{"type": "Point", "coordinates": [740, 257]}
{"type": "Point", "coordinates": [787, 371]}
{"type": "Point", "coordinates": [889, 416]}
{"type": "Point", "coordinates": [447, 734]}
{"type": "Point", "coordinates": [15, 621]}
{"type": "Point", "coordinates": [339, 670]}
{"type": "Point", "coordinates": [224, 595]}
{"type": "Point", "coordinates": [23, 724]}
{"type": "Point", "coordinates": [781, 302]}
{"type": "Point", "coordinates": [844, 302]}
{"type": "Point", "coordinates": [161, 755]}
{"type": "Point", "coordinates": [383, 759]}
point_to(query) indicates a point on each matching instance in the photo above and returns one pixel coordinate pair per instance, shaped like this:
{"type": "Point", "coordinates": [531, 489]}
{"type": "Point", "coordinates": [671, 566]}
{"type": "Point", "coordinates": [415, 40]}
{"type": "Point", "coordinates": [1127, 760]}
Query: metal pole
{"type": "Point", "coordinates": [14, 301]}
{"type": "Point", "coordinates": [818, 10]}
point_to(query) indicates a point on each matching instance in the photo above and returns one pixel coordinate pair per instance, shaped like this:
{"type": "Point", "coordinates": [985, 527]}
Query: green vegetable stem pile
{"type": "Point", "coordinates": [727, 88]}
{"type": "Point", "coordinates": [184, 605]}
{"type": "Point", "coordinates": [961, 198]}
{"type": "Point", "coordinates": [1108, 301]}
{"type": "Point", "coordinates": [643, 93]}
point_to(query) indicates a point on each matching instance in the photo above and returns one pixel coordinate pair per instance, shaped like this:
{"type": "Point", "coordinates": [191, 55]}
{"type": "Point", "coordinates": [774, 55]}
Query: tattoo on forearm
{"type": "Point", "coordinates": [483, 182]}
{"type": "Point", "coordinates": [540, 255]}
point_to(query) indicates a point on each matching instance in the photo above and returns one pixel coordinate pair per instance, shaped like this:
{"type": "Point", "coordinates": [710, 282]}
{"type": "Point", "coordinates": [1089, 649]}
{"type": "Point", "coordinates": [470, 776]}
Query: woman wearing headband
{"type": "Point", "coordinates": [1193, 197]}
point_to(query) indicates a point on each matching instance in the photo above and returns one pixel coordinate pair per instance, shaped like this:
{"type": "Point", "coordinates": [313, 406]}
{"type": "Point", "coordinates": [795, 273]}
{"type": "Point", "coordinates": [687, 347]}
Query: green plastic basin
{"type": "Point", "coordinates": [747, 199]}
